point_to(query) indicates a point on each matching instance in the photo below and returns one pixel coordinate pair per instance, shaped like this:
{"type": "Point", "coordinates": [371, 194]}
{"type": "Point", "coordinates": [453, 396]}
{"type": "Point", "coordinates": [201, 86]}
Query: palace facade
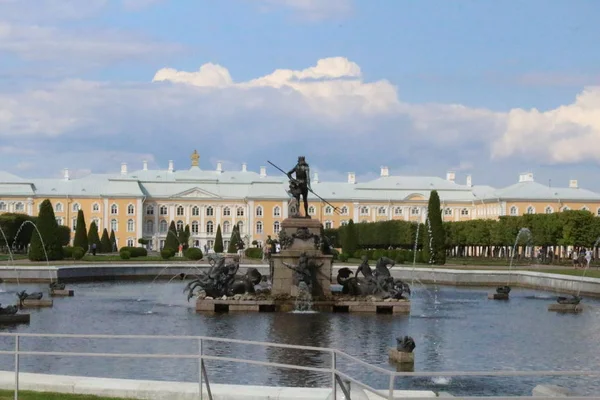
{"type": "Point", "coordinates": [142, 203]}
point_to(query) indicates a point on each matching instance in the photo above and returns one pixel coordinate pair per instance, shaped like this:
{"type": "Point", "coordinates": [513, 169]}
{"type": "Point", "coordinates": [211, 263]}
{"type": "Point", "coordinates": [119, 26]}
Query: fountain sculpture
{"type": "Point", "coordinates": [59, 289]}
{"type": "Point", "coordinates": [403, 353]}
{"type": "Point", "coordinates": [11, 315]}
{"type": "Point", "coordinates": [32, 300]}
{"type": "Point", "coordinates": [379, 284]}
{"type": "Point", "coordinates": [502, 292]}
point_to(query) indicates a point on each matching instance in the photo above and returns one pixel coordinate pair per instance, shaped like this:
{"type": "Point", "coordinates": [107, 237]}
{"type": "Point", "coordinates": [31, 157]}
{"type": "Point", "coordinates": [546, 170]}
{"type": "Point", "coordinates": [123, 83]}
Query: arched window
{"type": "Point", "coordinates": [415, 211]}
{"type": "Point", "coordinates": [513, 210]}
{"type": "Point", "coordinates": [241, 227]}
{"type": "Point", "coordinates": [381, 211]}
{"type": "Point", "coordinates": [448, 211]}
{"type": "Point", "coordinates": [113, 225]}
{"type": "Point", "coordinates": [163, 210]}
{"type": "Point", "coordinates": [130, 209]}
{"type": "Point", "coordinates": [95, 207]}
{"type": "Point", "coordinates": [2, 206]}
{"type": "Point", "coordinates": [259, 211]}
{"type": "Point", "coordinates": [277, 211]}
{"type": "Point", "coordinates": [276, 227]}
{"type": "Point", "coordinates": [130, 225]}
{"type": "Point", "coordinates": [240, 212]}
{"type": "Point", "coordinates": [311, 210]}
{"type": "Point", "coordinates": [464, 211]}
{"type": "Point", "coordinates": [344, 210]}
{"type": "Point", "coordinates": [195, 227]}
{"type": "Point", "coordinates": [227, 212]}
{"type": "Point", "coordinates": [75, 207]}
{"type": "Point", "coordinates": [163, 226]}
{"type": "Point", "coordinates": [530, 210]}
{"type": "Point", "coordinates": [210, 227]}
{"type": "Point", "coordinates": [114, 209]}
{"type": "Point", "coordinates": [364, 210]}
{"type": "Point", "coordinates": [328, 210]}
{"type": "Point", "coordinates": [74, 224]}
{"type": "Point", "coordinates": [259, 227]}
{"type": "Point", "coordinates": [549, 210]}
{"type": "Point", "coordinates": [149, 210]}
{"type": "Point", "coordinates": [195, 211]}
{"type": "Point", "coordinates": [150, 226]}
{"type": "Point", "coordinates": [58, 207]}
{"type": "Point", "coordinates": [179, 226]}
{"type": "Point", "coordinates": [19, 206]}
{"type": "Point", "coordinates": [180, 211]}
{"type": "Point", "coordinates": [328, 225]}
{"type": "Point", "coordinates": [59, 220]}
{"type": "Point", "coordinates": [398, 211]}
{"type": "Point", "coordinates": [130, 242]}
{"type": "Point", "coordinates": [226, 227]}
{"type": "Point", "coordinates": [210, 211]}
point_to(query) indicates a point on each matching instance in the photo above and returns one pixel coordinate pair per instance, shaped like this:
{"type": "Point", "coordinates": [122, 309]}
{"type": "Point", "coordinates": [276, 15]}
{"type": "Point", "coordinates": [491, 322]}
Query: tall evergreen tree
{"type": "Point", "coordinates": [233, 241]}
{"type": "Point", "coordinates": [81, 237]}
{"type": "Point", "coordinates": [113, 241]}
{"type": "Point", "coordinates": [218, 241]}
{"type": "Point", "coordinates": [350, 239]}
{"type": "Point", "coordinates": [172, 239]}
{"type": "Point", "coordinates": [105, 246]}
{"type": "Point", "coordinates": [435, 234]}
{"type": "Point", "coordinates": [93, 235]}
{"type": "Point", "coordinates": [48, 228]}
{"type": "Point", "coordinates": [183, 236]}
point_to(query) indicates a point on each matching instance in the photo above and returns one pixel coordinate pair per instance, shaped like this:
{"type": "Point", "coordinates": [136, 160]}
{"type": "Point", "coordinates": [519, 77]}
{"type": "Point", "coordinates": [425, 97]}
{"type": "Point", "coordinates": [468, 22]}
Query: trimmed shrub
{"type": "Point", "coordinates": [343, 257]}
{"type": "Point", "coordinates": [105, 246]}
{"type": "Point", "coordinates": [113, 241]}
{"type": "Point", "coordinates": [93, 236]}
{"type": "Point", "coordinates": [64, 235]}
{"type": "Point", "coordinates": [67, 252]}
{"type": "Point", "coordinates": [193, 253]}
{"type": "Point", "coordinates": [167, 253]}
{"type": "Point", "coordinates": [253, 252]}
{"type": "Point", "coordinates": [48, 228]}
{"type": "Point", "coordinates": [125, 255]}
{"type": "Point", "coordinates": [218, 247]}
{"type": "Point", "coordinates": [172, 239]}
{"type": "Point", "coordinates": [78, 253]}
{"type": "Point", "coordinates": [81, 236]}
{"type": "Point", "coordinates": [134, 251]}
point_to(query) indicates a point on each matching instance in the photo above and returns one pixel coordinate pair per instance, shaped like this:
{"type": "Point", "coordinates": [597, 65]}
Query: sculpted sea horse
{"type": "Point", "coordinates": [380, 283]}
{"type": "Point", "coordinates": [23, 295]}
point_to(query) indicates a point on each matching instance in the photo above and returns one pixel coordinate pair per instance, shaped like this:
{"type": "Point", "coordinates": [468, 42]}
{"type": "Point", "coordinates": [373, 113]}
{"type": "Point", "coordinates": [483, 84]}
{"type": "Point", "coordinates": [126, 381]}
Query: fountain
{"type": "Point", "coordinates": [33, 300]}
{"type": "Point", "coordinates": [403, 352]}
{"type": "Point", "coordinates": [304, 299]}
{"type": "Point", "coordinates": [572, 304]}
{"type": "Point", "coordinates": [502, 292]}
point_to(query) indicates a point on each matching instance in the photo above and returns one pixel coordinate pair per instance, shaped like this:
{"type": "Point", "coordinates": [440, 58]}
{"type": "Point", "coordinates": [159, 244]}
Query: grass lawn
{"type": "Point", "coordinates": [26, 395]}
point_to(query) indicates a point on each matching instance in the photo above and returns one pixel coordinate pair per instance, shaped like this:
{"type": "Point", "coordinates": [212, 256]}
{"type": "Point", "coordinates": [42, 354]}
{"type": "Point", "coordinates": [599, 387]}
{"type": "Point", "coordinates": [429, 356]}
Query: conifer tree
{"type": "Point", "coordinates": [113, 241]}
{"type": "Point", "coordinates": [105, 244]}
{"type": "Point", "coordinates": [350, 239]}
{"type": "Point", "coordinates": [435, 235]}
{"type": "Point", "coordinates": [172, 239]}
{"type": "Point", "coordinates": [81, 237]}
{"type": "Point", "coordinates": [93, 236]}
{"type": "Point", "coordinates": [218, 241]}
{"type": "Point", "coordinates": [48, 228]}
{"type": "Point", "coordinates": [233, 242]}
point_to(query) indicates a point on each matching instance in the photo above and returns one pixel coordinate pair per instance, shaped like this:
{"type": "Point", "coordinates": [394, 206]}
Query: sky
{"type": "Point", "coordinates": [482, 87]}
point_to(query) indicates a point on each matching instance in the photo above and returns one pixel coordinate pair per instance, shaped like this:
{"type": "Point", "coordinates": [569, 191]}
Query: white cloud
{"type": "Point", "coordinates": [312, 9]}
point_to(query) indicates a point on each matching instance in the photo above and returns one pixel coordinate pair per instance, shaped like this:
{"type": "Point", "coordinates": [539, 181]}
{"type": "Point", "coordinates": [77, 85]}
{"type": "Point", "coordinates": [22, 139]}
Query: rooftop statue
{"type": "Point", "coordinates": [379, 283]}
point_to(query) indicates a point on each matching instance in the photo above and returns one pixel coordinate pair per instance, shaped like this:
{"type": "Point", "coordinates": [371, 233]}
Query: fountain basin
{"type": "Point", "coordinates": [498, 296]}
{"type": "Point", "coordinates": [401, 357]}
{"type": "Point", "coordinates": [62, 293]}
{"type": "Point", "coordinates": [401, 307]}
{"type": "Point", "coordinates": [37, 303]}
{"type": "Point", "coordinates": [14, 319]}
{"type": "Point", "coordinates": [565, 308]}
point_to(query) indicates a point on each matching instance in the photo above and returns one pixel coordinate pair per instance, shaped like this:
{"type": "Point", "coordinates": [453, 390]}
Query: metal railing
{"type": "Point", "coordinates": [338, 378]}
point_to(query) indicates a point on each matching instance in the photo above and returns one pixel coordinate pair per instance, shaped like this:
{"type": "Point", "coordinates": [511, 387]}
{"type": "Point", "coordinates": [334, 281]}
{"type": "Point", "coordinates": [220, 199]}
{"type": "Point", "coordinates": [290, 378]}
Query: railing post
{"type": "Point", "coordinates": [392, 380]}
{"type": "Point", "coordinates": [17, 367]}
{"type": "Point", "coordinates": [333, 374]}
{"type": "Point", "coordinates": [200, 368]}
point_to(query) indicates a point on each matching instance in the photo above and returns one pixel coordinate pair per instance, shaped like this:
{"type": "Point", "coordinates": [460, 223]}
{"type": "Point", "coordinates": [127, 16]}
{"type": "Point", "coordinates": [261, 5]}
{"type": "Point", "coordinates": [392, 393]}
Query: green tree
{"type": "Point", "coordinates": [113, 241]}
{"type": "Point", "coordinates": [81, 237]}
{"type": "Point", "coordinates": [50, 241]}
{"type": "Point", "coordinates": [93, 235]}
{"type": "Point", "coordinates": [350, 239]}
{"type": "Point", "coordinates": [172, 239]}
{"type": "Point", "coordinates": [186, 236]}
{"type": "Point", "coordinates": [105, 246]}
{"type": "Point", "coordinates": [218, 241]}
{"type": "Point", "coordinates": [64, 235]}
{"type": "Point", "coordinates": [233, 242]}
{"type": "Point", "coordinates": [11, 224]}
{"type": "Point", "coordinates": [435, 235]}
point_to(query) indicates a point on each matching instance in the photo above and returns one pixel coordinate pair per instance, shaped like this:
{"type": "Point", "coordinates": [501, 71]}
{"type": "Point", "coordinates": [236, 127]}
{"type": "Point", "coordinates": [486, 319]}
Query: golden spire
{"type": "Point", "coordinates": [195, 158]}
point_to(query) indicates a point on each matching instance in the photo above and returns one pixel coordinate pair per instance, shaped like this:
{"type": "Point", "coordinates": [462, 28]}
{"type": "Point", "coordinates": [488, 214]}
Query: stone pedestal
{"type": "Point", "coordinates": [565, 308]}
{"type": "Point", "coordinates": [400, 357]}
{"type": "Point", "coordinates": [37, 303]}
{"type": "Point", "coordinates": [14, 319]}
{"type": "Point", "coordinates": [62, 293]}
{"type": "Point", "coordinates": [498, 296]}
{"type": "Point", "coordinates": [301, 234]}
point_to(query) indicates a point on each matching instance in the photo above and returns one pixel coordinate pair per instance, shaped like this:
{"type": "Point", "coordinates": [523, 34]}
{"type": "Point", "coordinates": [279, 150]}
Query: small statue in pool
{"type": "Point", "coordinates": [379, 283]}
{"type": "Point", "coordinates": [405, 344]}
{"type": "Point", "coordinates": [566, 300]}
{"type": "Point", "coordinates": [503, 290]}
{"type": "Point", "coordinates": [10, 310]}
{"type": "Point", "coordinates": [23, 295]}
{"type": "Point", "coordinates": [57, 286]}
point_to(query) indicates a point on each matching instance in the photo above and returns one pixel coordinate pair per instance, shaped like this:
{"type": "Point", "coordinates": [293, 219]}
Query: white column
{"type": "Point", "coordinates": [29, 206]}
{"type": "Point", "coordinates": [284, 209]}
{"type": "Point", "coordinates": [251, 215]}
{"type": "Point", "coordinates": [188, 212]}
{"type": "Point", "coordinates": [389, 212]}
{"type": "Point", "coordinates": [202, 228]}
{"type": "Point", "coordinates": [172, 215]}
{"type": "Point", "coordinates": [106, 222]}
{"type": "Point", "coordinates": [217, 211]}
{"type": "Point", "coordinates": [356, 211]}
{"type": "Point", "coordinates": [156, 233]}
{"type": "Point", "coordinates": [139, 220]}
{"type": "Point", "coordinates": [406, 212]}
{"type": "Point", "coordinates": [457, 214]}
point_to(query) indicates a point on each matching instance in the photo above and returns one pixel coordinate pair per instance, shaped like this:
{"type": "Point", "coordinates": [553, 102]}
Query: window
{"type": "Point", "coordinates": [259, 227]}
{"type": "Point", "coordinates": [210, 227]}
{"type": "Point", "coordinates": [398, 211]}
{"type": "Point", "coordinates": [226, 227]}
{"type": "Point", "coordinates": [277, 211]}
{"type": "Point", "coordinates": [75, 207]}
{"type": "Point", "coordinates": [180, 211]}
{"type": "Point", "coordinates": [74, 224]}
{"type": "Point", "coordinates": [344, 223]}
{"type": "Point", "coordinates": [241, 227]}
{"type": "Point", "coordinates": [210, 243]}
{"type": "Point", "coordinates": [195, 227]}
{"type": "Point", "coordinates": [328, 225]}
{"type": "Point", "coordinates": [163, 226]}
{"type": "Point", "coordinates": [130, 225]}
{"type": "Point", "coordinates": [344, 210]}
{"type": "Point", "coordinates": [150, 226]}
{"type": "Point", "coordinates": [210, 211]}
{"type": "Point", "coordinates": [58, 207]}
{"type": "Point", "coordinates": [114, 209]}
{"type": "Point", "coordinates": [464, 211]}
{"type": "Point", "coordinates": [114, 225]}
{"type": "Point", "coordinates": [179, 226]}
{"type": "Point", "coordinates": [95, 207]}
{"type": "Point", "coordinates": [549, 210]}
{"type": "Point", "coordinates": [195, 211]}
{"type": "Point", "coordinates": [448, 211]}
{"type": "Point", "coordinates": [240, 212]}
{"type": "Point", "coordinates": [381, 211]}
{"type": "Point", "coordinates": [149, 210]}
{"type": "Point", "coordinates": [259, 211]}
{"type": "Point", "coordinates": [227, 212]}
{"type": "Point", "coordinates": [328, 210]}
{"type": "Point", "coordinates": [59, 220]}
{"type": "Point", "coordinates": [276, 227]}
{"type": "Point", "coordinates": [163, 210]}
{"type": "Point", "coordinates": [513, 210]}
{"type": "Point", "coordinates": [2, 206]}
{"type": "Point", "coordinates": [415, 211]}
{"type": "Point", "coordinates": [530, 210]}
{"type": "Point", "coordinates": [311, 210]}
{"type": "Point", "coordinates": [364, 210]}
{"type": "Point", "coordinates": [225, 244]}
{"type": "Point", "coordinates": [130, 242]}
{"type": "Point", "coordinates": [19, 206]}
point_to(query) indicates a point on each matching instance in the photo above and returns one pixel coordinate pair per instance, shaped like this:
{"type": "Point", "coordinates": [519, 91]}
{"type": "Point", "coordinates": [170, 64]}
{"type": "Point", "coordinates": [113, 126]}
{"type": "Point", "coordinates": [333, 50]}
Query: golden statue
{"type": "Point", "coordinates": [195, 158]}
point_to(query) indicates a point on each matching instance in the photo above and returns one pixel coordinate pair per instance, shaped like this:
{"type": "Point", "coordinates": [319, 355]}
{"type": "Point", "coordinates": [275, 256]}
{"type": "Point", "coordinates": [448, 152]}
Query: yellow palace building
{"type": "Point", "coordinates": [142, 203]}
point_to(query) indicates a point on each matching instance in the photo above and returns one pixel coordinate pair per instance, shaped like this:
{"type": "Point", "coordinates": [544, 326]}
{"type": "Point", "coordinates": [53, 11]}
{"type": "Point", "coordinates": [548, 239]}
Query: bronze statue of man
{"type": "Point", "coordinates": [300, 184]}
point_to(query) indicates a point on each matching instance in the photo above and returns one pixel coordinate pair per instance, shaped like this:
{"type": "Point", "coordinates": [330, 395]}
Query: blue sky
{"type": "Point", "coordinates": [489, 88]}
